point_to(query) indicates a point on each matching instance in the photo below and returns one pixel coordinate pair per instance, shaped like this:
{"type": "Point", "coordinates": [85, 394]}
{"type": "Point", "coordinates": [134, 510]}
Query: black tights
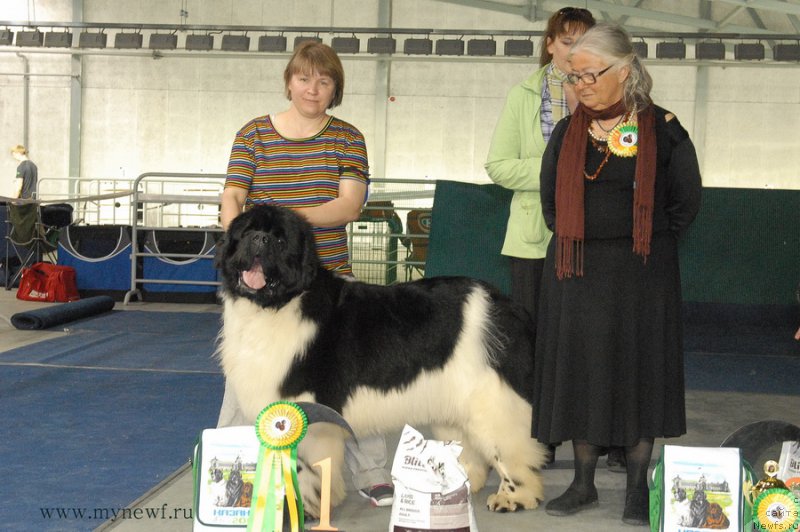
{"type": "Point", "coordinates": [586, 456]}
{"type": "Point", "coordinates": [637, 458]}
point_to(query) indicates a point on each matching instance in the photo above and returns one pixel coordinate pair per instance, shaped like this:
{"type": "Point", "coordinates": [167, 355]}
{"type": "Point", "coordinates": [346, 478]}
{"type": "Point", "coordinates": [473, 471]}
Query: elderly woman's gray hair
{"type": "Point", "coordinates": [612, 44]}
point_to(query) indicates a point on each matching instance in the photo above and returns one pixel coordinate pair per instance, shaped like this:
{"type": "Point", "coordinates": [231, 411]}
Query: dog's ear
{"type": "Point", "coordinates": [300, 263]}
{"type": "Point", "coordinates": [226, 243]}
{"type": "Point", "coordinates": [219, 250]}
{"type": "Point", "coordinates": [311, 262]}
{"type": "Point", "coordinates": [306, 247]}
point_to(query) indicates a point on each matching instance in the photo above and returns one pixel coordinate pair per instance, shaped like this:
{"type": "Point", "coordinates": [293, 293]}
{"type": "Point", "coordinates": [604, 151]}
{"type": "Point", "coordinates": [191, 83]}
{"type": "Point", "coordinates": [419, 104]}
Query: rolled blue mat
{"type": "Point", "coordinates": [46, 317]}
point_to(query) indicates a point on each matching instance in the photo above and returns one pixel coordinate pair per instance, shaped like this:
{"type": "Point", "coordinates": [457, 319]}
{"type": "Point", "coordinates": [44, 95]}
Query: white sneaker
{"type": "Point", "coordinates": [379, 494]}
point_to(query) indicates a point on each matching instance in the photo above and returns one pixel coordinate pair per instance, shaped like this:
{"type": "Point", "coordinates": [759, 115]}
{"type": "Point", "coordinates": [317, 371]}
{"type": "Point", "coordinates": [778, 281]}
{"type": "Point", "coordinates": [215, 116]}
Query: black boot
{"type": "Point", "coordinates": [637, 509]}
{"type": "Point", "coordinates": [637, 500]}
{"type": "Point", "coordinates": [572, 501]}
{"type": "Point", "coordinates": [582, 493]}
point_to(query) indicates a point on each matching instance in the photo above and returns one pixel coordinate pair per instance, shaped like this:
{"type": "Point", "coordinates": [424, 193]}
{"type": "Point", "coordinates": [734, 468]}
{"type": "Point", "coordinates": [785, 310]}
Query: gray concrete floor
{"type": "Point", "coordinates": [712, 416]}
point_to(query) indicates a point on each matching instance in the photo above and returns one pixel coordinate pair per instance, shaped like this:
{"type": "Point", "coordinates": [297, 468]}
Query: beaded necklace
{"type": "Point", "coordinates": [602, 144]}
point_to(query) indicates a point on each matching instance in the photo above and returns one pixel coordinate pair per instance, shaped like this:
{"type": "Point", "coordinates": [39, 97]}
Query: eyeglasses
{"type": "Point", "coordinates": [588, 78]}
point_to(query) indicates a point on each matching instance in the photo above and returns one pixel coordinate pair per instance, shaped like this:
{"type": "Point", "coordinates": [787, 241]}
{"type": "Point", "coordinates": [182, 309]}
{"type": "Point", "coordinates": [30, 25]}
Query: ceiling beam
{"type": "Point", "coordinates": [795, 21]}
{"type": "Point", "coordinates": [767, 5]}
{"type": "Point", "coordinates": [756, 18]}
{"type": "Point", "coordinates": [634, 11]}
{"type": "Point", "coordinates": [723, 22]}
{"type": "Point", "coordinates": [523, 10]}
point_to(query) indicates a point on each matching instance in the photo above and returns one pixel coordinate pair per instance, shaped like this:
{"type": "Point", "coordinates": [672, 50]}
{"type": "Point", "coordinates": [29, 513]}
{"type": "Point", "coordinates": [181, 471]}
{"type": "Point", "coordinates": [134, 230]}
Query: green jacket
{"type": "Point", "coordinates": [514, 161]}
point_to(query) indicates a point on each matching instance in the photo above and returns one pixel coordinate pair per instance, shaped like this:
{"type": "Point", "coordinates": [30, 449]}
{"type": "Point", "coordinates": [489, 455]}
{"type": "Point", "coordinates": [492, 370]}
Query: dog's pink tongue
{"type": "Point", "coordinates": [254, 277]}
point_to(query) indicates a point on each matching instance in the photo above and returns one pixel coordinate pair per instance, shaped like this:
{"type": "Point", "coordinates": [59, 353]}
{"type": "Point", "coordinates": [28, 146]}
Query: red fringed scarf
{"type": "Point", "coordinates": [569, 229]}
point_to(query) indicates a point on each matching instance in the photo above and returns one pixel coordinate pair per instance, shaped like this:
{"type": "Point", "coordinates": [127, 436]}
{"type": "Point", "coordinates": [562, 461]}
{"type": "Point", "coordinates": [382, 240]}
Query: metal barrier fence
{"type": "Point", "coordinates": [388, 243]}
{"type": "Point", "coordinates": [102, 201]}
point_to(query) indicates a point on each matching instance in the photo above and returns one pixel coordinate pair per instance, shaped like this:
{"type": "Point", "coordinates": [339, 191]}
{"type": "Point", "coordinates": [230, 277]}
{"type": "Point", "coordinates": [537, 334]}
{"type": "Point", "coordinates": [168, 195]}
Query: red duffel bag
{"type": "Point", "coordinates": [48, 282]}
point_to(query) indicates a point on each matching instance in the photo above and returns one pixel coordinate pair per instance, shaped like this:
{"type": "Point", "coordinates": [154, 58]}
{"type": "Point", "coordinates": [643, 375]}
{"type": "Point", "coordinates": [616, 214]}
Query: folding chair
{"type": "Point", "coordinates": [32, 234]}
{"type": "Point", "coordinates": [418, 227]}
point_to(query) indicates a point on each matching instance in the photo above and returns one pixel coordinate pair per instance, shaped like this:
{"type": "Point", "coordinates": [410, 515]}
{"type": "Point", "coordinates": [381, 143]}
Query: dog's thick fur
{"type": "Point", "coordinates": [451, 353]}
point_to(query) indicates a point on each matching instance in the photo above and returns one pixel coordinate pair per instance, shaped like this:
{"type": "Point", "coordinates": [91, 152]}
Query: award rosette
{"type": "Point", "coordinates": [622, 139]}
{"type": "Point", "coordinates": [776, 510]}
{"type": "Point", "coordinates": [279, 427]}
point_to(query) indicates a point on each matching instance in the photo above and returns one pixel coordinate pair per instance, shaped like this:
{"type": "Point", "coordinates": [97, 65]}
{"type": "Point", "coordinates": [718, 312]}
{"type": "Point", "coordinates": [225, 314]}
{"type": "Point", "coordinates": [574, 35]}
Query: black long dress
{"type": "Point", "coordinates": [609, 353]}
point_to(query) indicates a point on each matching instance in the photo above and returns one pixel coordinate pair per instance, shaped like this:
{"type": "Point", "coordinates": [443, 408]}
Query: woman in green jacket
{"type": "Point", "coordinates": [532, 109]}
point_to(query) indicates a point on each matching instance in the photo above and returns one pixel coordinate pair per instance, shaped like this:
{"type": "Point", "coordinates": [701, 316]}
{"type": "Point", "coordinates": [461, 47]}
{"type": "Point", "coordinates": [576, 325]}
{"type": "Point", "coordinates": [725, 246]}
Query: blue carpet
{"type": "Point", "coordinates": [747, 348]}
{"type": "Point", "coordinates": [132, 340]}
{"type": "Point", "coordinates": [741, 329]}
{"type": "Point", "coordinates": [97, 418]}
{"type": "Point", "coordinates": [743, 373]}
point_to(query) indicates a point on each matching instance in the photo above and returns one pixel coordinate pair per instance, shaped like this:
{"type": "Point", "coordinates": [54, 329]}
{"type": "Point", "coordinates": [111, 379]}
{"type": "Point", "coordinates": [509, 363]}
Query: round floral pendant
{"type": "Point", "coordinates": [622, 139]}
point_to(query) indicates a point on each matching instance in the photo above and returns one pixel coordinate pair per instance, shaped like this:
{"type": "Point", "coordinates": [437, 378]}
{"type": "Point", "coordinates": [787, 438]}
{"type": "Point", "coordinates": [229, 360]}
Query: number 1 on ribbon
{"type": "Point", "coordinates": [325, 497]}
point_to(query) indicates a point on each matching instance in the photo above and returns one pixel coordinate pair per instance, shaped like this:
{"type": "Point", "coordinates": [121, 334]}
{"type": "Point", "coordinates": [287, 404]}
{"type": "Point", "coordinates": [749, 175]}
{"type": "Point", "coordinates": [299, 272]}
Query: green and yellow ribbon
{"type": "Point", "coordinates": [623, 139]}
{"type": "Point", "coordinates": [776, 510]}
{"type": "Point", "coordinates": [279, 427]}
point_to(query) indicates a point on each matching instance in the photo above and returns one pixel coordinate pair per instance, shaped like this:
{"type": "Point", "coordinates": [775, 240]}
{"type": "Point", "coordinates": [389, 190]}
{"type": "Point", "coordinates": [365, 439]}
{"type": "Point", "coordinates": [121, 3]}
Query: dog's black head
{"type": "Point", "coordinates": [268, 255]}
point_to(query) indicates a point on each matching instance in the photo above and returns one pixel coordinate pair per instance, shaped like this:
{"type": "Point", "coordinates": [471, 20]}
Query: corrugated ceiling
{"type": "Point", "coordinates": [769, 17]}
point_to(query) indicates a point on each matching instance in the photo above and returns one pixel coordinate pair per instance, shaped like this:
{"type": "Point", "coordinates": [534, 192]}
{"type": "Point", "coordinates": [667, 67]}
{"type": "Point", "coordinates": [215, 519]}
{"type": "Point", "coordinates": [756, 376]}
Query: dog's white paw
{"type": "Point", "coordinates": [503, 502]}
{"type": "Point", "coordinates": [309, 484]}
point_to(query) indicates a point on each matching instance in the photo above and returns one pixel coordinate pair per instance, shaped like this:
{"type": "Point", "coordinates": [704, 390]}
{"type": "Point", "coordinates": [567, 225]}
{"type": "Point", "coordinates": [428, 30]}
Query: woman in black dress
{"type": "Point", "coordinates": [619, 183]}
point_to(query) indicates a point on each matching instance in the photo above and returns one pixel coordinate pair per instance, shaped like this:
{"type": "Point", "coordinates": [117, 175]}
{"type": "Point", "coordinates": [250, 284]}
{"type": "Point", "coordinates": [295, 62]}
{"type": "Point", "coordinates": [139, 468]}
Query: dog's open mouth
{"type": "Point", "coordinates": [254, 277]}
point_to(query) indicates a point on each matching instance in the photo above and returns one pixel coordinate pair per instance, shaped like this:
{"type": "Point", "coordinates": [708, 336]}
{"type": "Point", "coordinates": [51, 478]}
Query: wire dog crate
{"type": "Point", "coordinates": [385, 246]}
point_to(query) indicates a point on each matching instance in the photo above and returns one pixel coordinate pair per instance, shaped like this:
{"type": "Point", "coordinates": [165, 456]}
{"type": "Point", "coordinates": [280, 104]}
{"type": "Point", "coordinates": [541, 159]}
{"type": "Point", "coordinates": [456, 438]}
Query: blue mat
{"type": "Point", "coordinates": [130, 340]}
{"type": "Point", "coordinates": [745, 348]}
{"type": "Point", "coordinates": [95, 419]}
{"type": "Point", "coordinates": [49, 316]}
{"type": "Point", "coordinates": [743, 373]}
{"type": "Point", "coordinates": [150, 322]}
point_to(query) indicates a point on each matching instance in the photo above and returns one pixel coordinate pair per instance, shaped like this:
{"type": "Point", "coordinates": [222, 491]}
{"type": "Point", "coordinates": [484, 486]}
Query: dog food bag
{"type": "Point", "coordinates": [789, 466]}
{"type": "Point", "coordinates": [432, 492]}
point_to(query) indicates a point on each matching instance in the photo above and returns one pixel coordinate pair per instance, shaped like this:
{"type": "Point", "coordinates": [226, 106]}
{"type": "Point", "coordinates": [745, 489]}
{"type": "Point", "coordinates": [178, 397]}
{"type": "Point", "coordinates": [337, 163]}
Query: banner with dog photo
{"type": "Point", "coordinates": [224, 468]}
{"type": "Point", "coordinates": [700, 488]}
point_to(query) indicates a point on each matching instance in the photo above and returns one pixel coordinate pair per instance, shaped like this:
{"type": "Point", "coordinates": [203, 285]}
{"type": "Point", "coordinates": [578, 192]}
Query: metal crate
{"type": "Point", "coordinates": [385, 247]}
{"type": "Point", "coordinates": [373, 249]}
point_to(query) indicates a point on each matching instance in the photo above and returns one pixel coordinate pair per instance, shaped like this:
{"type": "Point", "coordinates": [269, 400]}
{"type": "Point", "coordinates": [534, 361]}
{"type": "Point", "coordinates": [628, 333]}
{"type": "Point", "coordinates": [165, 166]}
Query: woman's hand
{"type": "Point", "coordinates": [233, 199]}
{"type": "Point", "coordinates": [341, 210]}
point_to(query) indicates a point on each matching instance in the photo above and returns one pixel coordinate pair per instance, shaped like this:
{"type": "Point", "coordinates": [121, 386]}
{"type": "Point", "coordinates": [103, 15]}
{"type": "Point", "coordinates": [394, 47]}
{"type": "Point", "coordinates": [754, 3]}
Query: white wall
{"type": "Point", "coordinates": [180, 114]}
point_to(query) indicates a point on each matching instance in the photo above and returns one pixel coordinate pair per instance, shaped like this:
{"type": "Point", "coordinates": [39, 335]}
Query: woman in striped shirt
{"type": "Point", "coordinates": [315, 164]}
{"type": "Point", "coordinates": [303, 158]}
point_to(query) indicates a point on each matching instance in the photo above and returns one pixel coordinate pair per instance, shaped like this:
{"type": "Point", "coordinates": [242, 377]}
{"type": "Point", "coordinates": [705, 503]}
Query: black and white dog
{"type": "Point", "coordinates": [450, 353]}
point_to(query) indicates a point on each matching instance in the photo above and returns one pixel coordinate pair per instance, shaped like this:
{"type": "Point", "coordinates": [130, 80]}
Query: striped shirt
{"type": "Point", "coordinates": [300, 173]}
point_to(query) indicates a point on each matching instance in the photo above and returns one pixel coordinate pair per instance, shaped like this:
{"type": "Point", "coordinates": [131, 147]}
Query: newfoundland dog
{"type": "Point", "coordinates": [451, 353]}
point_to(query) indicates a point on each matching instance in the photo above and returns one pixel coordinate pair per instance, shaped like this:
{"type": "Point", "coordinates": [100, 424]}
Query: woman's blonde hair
{"type": "Point", "coordinates": [612, 44]}
{"type": "Point", "coordinates": [314, 57]}
{"type": "Point", "coordinates": [20, 149]}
